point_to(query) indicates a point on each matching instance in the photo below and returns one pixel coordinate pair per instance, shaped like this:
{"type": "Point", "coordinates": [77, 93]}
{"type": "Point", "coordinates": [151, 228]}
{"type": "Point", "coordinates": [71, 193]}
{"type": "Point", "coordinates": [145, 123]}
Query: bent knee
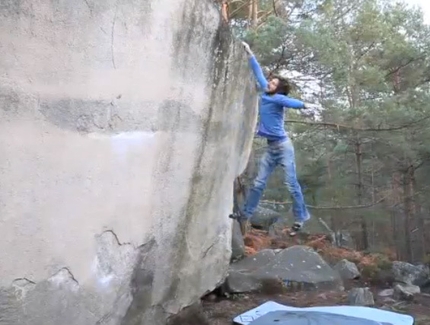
{"type": "Point", "coordinates": [259, 184]}
{"type": "Point", "coordinates": [293, 184]}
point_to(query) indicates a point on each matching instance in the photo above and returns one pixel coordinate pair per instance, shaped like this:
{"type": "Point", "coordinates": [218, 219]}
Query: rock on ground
{"type": "Point", "coordinates": [347, 270]}
{"type": "Point", "coordinates": [123, 125]}
{"type": "Point", "coordinates": [237, 242]}
{"type": "Point", "coordinates": [192, 315]}
{"type": "Point", "coordinates": [411, 274]}
{"type": "Point", "coordinates": [296, 266]}
{"type": "Point", "coordinates": [361, 297]}
{"type": "Point", "coordinates": [264, 217]}
{"type": "Point", "coordinates": [406, 291]}
{"type": "Point", "coordinates": [241, 277]}
{"type": "Point", "coordinates": [386, 293]}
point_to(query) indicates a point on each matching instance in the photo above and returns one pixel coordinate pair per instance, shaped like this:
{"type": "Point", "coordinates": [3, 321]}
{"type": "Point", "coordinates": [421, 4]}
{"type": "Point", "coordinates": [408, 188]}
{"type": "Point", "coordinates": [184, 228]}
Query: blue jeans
{"type": "Point", "coordinates": [278, 153]}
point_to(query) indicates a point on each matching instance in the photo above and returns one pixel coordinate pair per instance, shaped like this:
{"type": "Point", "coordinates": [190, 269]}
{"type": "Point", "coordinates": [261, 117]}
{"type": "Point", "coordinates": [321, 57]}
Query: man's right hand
{"type": "Point", "coordinates": [310, 106]}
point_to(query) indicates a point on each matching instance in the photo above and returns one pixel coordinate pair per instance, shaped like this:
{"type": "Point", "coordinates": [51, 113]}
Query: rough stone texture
{"type": "Point", "coordinates": [297, 267]}
{"type": "Point", "coordinates": [406, 291]}
{"type": "Point", "coordinates": [122, 127]}
{"type": "Point", "coordinates": [411, 274]}
{"type": "Point", "coordinates": [240, 277]}
{"type": "Point", "coordinates": [241, 282]}
{"type": "Point", "coordinates": [301, 264]}
{"type": "Point", "coordinates": [361, 297]}
{"type": "Point", "coordinates": [252, 263]}
{"type": "Point", "coordinates": [191, 315]}
{"type": "Point", "coordinates": [264, 217]}
{"type": "Point", "coordinates": [347, 270]}
{"type": "Point", "coordinates": [237, 242]}
{"type": "Point", "coordinates": [386, 293]}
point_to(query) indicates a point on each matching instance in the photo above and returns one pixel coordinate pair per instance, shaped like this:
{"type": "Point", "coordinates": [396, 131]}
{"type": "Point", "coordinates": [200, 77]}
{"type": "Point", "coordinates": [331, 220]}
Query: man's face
{"type": "Point", "coordinates": [273, 85]}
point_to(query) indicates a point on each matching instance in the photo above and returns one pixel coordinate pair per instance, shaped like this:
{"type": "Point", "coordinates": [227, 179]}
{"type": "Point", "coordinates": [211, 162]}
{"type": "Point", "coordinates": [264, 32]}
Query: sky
{"type": "Point", "coordinates": [425, 5]}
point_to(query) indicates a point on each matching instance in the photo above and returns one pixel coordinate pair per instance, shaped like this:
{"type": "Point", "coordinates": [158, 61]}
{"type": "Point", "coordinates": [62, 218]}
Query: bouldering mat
{"type": "Point", "coordinates": [310, 318]}
{"type": "Point", "coordinates": [367, 313]}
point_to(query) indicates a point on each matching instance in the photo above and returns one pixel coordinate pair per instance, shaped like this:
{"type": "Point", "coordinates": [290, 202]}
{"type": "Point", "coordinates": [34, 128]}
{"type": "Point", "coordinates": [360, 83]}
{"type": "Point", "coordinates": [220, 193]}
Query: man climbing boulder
{"type": "Point", "coordinates": [274, 100]}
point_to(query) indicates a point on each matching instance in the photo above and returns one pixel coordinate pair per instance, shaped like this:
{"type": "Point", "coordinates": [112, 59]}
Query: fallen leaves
{"type": "Point", "coordinates": [257, 240]}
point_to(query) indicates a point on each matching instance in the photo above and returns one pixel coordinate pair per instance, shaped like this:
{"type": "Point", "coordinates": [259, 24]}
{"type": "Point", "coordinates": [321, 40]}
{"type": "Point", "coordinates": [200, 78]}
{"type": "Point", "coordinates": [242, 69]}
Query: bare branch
{"type": "Point", "coordinates": [401, 66]}
{"type": "Point", "coordinates": [349, 127]}
{"type": "Point", "coordinates": [345, 207]}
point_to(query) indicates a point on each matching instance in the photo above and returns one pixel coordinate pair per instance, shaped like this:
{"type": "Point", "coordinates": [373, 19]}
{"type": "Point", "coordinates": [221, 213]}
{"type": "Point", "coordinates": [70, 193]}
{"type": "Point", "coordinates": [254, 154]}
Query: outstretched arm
{"type": "Point", "coordinates": [256, 69]}
{"type": "Point", "coordinates": [289, 102]}
{"type": "Point", "coordinates": [258, 73]}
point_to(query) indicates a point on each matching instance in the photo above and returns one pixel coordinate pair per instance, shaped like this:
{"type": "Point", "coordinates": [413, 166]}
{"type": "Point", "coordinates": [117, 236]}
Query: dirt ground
{"type": "Point", "coordinates": [222, 311]}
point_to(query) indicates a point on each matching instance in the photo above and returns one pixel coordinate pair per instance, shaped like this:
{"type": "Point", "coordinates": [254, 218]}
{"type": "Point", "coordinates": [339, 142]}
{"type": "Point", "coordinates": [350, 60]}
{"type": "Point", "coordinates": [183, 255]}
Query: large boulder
{"type": "Point", "coordinates": [241, 277]}
{"type": "Point", "coordinates": [404, 291]}
{"type": "Point", "coordinates": [264, 218]}
{"type": "Point", "coordinates": [296, 267]}
{"type": "Point", "coordinates": [123, 125]}
{"type": "Point", "coordinates": [411, 274]}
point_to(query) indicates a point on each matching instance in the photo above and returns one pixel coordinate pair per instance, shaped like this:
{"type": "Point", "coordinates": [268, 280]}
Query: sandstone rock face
{"type": "Point", "coordinates": [122, 127]}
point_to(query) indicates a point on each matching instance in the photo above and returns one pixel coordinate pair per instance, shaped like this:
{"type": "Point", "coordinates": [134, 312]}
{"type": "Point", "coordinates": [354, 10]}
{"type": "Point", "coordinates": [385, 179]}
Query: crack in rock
{"type": "Point", "coordinates": [22, 286]}
{"type": "Point", "coordinates": [64, 279]}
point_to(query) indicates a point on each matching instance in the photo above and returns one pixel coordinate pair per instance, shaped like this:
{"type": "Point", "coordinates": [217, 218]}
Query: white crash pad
{"type": "Point", "coordinates": [373, 314]}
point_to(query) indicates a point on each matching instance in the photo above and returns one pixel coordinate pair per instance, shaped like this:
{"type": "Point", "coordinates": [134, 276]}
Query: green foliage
{"type": "Point", "coordinates": [372, 59]}
{"type": "Point", "coordinates": [269, 36]}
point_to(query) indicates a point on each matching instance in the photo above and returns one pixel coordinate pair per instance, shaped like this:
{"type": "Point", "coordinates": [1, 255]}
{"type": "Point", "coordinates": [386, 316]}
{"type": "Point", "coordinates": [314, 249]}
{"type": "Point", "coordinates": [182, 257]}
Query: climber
{"type": "Point", "coordinates": [279, 151]}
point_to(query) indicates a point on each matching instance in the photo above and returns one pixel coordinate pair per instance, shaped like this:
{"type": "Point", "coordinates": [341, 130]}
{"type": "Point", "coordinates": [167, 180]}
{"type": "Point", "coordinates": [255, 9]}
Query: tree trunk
{"type": "Point", "coordinates": [254, 21]}
{"type": "Point", "coordinates": [373, 232]}
{"type": "Point", "coordinates": [280, 9]}
{"type": "Point", "coordinates": [396, 217]}
{"type": "Point", "coordinates": [414, 225]}
{"type": "Point", "coordinates": [363, 224]}
{"type": "Point", "coordinates": [250, 10]}
{"type": "Point", "coordinates": [408, 213]}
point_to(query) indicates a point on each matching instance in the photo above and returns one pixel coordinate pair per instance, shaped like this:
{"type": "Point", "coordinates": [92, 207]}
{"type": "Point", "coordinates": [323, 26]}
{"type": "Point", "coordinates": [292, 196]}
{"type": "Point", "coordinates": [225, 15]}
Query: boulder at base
{"type": "Point", "coordinates": [297, 266]}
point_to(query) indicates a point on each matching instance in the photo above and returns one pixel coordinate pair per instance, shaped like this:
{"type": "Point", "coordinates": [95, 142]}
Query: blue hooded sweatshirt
{"type": "Point", "coordinates": [271, 107]}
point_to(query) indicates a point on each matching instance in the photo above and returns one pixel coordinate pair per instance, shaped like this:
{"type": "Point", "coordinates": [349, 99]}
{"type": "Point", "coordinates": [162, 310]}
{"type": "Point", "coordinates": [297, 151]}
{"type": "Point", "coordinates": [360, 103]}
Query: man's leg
{"type": "Point", "coordinates": [266, 166]}
{"type": "Point", "coordinates": [288, 163]}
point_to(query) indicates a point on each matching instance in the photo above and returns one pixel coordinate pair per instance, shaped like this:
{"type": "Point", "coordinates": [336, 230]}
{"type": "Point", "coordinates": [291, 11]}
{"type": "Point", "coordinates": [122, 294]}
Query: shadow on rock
{"type": "Point", "coordinates": [193, 315]}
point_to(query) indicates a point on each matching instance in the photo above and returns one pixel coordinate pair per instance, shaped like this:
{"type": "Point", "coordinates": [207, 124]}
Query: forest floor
{"type": "Point", "coordinates": [222, 310]}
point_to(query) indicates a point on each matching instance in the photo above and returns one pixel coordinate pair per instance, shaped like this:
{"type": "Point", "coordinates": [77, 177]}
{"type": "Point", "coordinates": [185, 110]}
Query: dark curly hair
{"type": "Point", "coordinates": [284, 87]}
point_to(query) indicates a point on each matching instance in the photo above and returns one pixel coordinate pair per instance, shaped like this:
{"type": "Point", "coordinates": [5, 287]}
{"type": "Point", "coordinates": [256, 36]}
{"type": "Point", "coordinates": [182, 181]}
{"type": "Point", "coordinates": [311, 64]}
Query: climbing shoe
{"type": "Point", "coordinates": [297, 226]}
{"type": "Point", "coordinates": [236, 215]}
